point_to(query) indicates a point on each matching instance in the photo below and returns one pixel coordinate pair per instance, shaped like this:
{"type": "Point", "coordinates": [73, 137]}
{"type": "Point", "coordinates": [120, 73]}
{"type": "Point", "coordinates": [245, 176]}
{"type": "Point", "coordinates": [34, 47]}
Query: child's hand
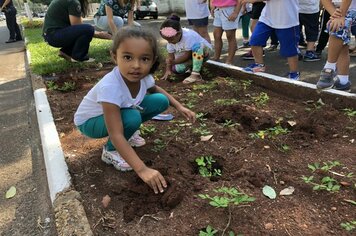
{"type": "Point", "coordinates": [336, 24]}
{"type": "Point", "coordinates": [190, 115]}
{"type": "Point", "coordinates": [153, 178]}
{"type": "Point", "coordinates": [233, 16]}
{"type": "Point", "coordinates": [166, 75]}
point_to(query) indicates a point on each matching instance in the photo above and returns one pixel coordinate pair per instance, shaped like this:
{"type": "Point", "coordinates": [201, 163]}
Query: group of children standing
{"type": "Point", "coordinates": [127, 96]}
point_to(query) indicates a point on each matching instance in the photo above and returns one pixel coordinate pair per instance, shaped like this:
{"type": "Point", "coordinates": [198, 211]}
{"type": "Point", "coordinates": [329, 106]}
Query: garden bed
{"type": "Point", "coordinates": [258, 138]}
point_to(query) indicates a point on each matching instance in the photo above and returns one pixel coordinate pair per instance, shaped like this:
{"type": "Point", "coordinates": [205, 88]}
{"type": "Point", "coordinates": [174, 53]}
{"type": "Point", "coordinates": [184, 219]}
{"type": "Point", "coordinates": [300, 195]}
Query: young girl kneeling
{"type": "Point", "coordinates": [118, 104]}
{"type": "Point", "coordinates": [187, 50]}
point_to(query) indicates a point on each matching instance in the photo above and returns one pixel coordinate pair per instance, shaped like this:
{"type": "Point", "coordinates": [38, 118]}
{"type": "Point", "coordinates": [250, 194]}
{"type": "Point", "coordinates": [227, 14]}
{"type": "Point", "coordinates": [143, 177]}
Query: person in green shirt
{"type": "Point", "coordinates": [111, 13]}
{"type": "Point", "coordinates": [63, 28]}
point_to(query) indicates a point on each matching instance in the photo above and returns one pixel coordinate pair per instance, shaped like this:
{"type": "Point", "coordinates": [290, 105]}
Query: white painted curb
{"type": "Point", "coordinates": [283, 79]}
{"type": "Point", "coordinates": [57, 171]}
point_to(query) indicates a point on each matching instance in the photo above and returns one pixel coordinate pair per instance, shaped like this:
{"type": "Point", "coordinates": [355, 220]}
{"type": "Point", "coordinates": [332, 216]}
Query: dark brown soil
{"type": "Point", "coordinates": [317, 133]}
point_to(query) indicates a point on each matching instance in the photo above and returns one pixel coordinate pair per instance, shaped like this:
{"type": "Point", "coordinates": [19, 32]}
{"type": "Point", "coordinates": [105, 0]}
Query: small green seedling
{"type": "Point", "coordinates": [270, 132]}
{"type": "Point", "coordinates": [246, 84]}
{"type": "Point", "coordinates": [205, 165]}
{"type": "Point", "coordinates": [205, 87]}
{"type": "Point", "coordinates": [226, 102]}
{"type": "Point", "coordinates": [349, 112]}
{"type": "Point", "coordinates": [200, 116]}
{"type": "Point", "coordinates": [284, 148]}
{"type": "Point", "coordinates": [67, 87]}
{"type": "Point", "coordinates": [349, 226]}
{"type": "Point", "coordinates": [226, 196]}
{"type": "Point", "coordinates": [229, 124]}
{"type": "Point", "coordinates": [159, 145]}
{"type": "Point", "coordinates": [147, 129]}
{"type": "Point", "coordinates": [51, 85]}
{"type": "Point", "coordinates": [261, 99]}
{"type": "Point", "coordinates": [326, 182]}
{"type": "Point", "coordinates": [201, 130]}
{"type": "Point", "coordinates": [209, 231]}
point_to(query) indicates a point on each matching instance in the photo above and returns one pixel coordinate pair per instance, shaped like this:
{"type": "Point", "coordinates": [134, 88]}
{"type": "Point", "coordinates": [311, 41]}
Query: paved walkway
{"type": "Point", "coordinates": [21, 161]}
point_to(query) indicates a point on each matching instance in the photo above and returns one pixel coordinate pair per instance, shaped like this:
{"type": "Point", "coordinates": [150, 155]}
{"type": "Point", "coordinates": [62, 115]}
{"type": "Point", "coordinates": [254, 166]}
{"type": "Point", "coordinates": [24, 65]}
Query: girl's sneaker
{"type": "Point", "coordinates": [136, 140]}
{"type": "Point", "coordinates": [254, 68]}
{"type": "Point", "coordinates": [114, 158]}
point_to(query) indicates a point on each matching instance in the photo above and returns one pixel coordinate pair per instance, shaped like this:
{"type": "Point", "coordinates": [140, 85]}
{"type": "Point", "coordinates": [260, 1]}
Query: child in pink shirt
{"type": "Point", "coordinates": [225, 14]}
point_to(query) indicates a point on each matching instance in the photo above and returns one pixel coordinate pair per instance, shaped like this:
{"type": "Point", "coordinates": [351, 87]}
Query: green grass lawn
{"type": "Point", "coordinates": [45, 59]}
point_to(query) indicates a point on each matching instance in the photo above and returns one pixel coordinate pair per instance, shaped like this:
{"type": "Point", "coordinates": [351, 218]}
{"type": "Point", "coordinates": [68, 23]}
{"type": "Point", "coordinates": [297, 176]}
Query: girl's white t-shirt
{"type": "Point", "coordinates": [189, 38]}
{"type": "Point", "coordinates": [280, 14]}
{"type": "Point", "coordinates": [309, 6]}
{"type": "Point", "coordinates": [196, 9]}
{"type": "Point", "coordinates": [111, 89]}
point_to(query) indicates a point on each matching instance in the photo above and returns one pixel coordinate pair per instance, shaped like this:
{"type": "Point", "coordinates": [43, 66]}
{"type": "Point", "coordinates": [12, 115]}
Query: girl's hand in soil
{"type": "Point", "coordinates": [166, 75]}
{"type": "Point", "coordinates": [190, 115]}
{"type": "Point", "coordinates": [153, 178]}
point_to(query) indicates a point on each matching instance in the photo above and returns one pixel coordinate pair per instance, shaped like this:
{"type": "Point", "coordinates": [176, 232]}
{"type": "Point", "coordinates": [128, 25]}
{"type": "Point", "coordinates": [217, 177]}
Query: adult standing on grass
{"type": "Point", "coordinates": [63, 28]}
{"type": "Point", "coordinates": [197, 12]}
{"type": "Point", "coordinates": [9, 9]}
{"type": "Point", "coordinates": [111, 13]}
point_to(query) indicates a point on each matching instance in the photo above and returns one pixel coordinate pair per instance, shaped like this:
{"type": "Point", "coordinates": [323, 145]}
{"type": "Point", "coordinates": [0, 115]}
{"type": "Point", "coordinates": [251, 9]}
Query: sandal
{"type": "Point", "coordinates": [191, 79]}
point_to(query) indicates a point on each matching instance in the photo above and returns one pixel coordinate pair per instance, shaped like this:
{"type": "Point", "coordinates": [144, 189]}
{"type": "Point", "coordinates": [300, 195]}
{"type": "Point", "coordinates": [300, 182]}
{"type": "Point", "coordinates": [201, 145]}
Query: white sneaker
{"type": "Point", "coordinates": [136, 140]}
{"type": "Point", "coordinates": [114, 158]}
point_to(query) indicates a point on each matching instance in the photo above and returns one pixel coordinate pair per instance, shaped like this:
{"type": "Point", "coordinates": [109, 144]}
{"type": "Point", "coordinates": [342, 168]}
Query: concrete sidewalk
{"type": "Point", "coordinates": [30, 211]}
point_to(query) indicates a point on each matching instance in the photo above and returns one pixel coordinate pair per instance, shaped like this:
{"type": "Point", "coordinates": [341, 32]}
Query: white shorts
{"type": "Point", "coordinates": [221, 18]}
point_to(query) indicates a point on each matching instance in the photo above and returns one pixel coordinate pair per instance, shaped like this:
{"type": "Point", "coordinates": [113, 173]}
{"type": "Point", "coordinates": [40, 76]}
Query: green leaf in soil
{"type": "Point", "coordinates": [269, 192]}
{"type": "Point", "coordinates": [11, 192]}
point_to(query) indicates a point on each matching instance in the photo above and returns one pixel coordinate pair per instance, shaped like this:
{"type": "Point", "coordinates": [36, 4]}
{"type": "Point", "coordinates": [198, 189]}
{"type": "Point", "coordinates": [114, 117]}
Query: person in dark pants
{"type": "Point", "coordinates": [323, 36]}
{"type": "Point", "coordinates": [63, 28]}
{"type": "Point", "coordinates": [10, 13]}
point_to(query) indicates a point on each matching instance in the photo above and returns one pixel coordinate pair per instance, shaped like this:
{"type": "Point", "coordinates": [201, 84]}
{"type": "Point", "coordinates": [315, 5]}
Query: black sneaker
{"type": "Point", "coordinates": [311, 56]}
{"type": "Point", "coordinates": [342, 87]}
{"type": "Point", "coordinates": [11, 41]}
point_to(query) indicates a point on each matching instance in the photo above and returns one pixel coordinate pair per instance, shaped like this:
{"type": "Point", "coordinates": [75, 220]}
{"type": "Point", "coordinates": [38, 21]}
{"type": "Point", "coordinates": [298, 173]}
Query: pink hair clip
{"type": "Point", "coordinates": [168, 32]}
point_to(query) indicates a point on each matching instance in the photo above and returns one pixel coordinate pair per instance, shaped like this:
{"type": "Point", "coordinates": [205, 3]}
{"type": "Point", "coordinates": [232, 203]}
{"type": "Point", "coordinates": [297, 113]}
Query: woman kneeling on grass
{"type": "Point", "coordinates": [63, 28]}
{"type": "Point", "coordinates": [118, 104]}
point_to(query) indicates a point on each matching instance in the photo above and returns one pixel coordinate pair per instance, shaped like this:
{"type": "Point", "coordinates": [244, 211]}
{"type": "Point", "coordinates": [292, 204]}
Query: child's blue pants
{"type": "Point", "coordinates": [132, 118]}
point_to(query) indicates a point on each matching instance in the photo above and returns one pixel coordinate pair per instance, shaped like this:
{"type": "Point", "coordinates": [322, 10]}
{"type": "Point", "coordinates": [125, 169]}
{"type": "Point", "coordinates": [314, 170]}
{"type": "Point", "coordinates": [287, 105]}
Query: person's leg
{"type": "Point", "coordinates": [311, 25]}
{"type": "Point", "coordinates": [201, 27]}
{"type": "Point", "coordinates": [203, 31]}
{"type": "Point", "coordinates": [258, 40]}
{"type": "Point", "coordinates": [218, 31]}
{"type": "Point", "coordinates": [231, 41]}
{"type": "Point", "coordinates": [218, 43]}
{"type": "Point", "coordinates": [289, 39]}
{"type": "Point", "coordinates": [102, 23]}
{"type": "Point", "coordinates": [324, 36]}
{"type": "Point", "coordinates": [10, 22]}
{"type": "Point", "coordinates": [73, 40]}
{"type": "Point", "coordinates": [245, 21]}
{"type": "Point", "coordinates": [153, 104]}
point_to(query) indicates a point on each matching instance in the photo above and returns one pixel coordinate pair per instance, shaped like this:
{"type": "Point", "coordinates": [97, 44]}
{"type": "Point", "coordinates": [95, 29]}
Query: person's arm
{"type": "Point", "coordinates": [5, 4]}
{"type": "Point", "coordinates": [329, 6]}
{"type": "Point", "coordinates": [110, 17]}
{"type": "Point", "coordinates": [190, 115]}
{"type": "Point", "coordinates": [113, 122]}
{"type": "Point", "coordinates": [236, 11]}
{"type": "Point", "coordinates": [75, 20]}
{"type": "Point", "coordinates": [185, 56]}
{"type": "Point", "coordinates": [130, 14]}
{"type": "Point", "coordinates": [337, 20]}
{"type": "Point", "coordinates": [169, 64]}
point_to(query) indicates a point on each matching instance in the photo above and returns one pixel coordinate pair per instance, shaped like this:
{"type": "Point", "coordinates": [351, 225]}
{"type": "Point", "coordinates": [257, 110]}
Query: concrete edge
{"type": "Point", "coordinates": [69, 212]}
{"type": "Point", "coordinates": [291, 88]}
